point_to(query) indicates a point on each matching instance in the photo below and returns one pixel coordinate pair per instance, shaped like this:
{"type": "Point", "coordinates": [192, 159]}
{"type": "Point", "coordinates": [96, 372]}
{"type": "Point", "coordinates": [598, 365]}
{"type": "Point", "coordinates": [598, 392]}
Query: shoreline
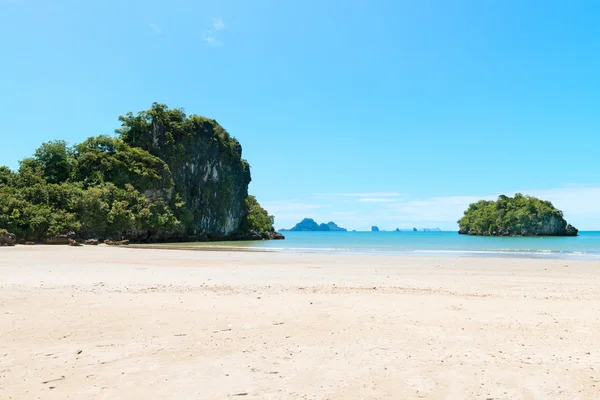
{"type": "Point", "coordinates": [107, 322]}
{"type": "Point", "coordinates": [526, 254]}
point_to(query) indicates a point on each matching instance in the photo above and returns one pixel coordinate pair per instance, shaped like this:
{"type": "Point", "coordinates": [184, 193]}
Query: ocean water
{"type": "Point", "coordinates": [586, 245]}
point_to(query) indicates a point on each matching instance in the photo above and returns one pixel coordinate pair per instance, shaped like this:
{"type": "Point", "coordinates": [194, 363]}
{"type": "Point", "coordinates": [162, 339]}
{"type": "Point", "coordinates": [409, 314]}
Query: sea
{"type": "Point", "coordinates": [586, 245]}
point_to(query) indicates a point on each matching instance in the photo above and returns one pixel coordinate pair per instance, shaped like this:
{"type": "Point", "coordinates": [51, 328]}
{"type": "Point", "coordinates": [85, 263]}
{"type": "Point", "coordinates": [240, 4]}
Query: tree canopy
{"type": "Point", "coordinates": [515, 216]}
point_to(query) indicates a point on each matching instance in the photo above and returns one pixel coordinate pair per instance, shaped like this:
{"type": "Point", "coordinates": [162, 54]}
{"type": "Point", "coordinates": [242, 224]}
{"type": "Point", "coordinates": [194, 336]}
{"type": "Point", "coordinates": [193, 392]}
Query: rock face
{"type": "Point", "coordinates": [7, 238]}
{"type": "Point", "coordinates": [374, 229]}
{"type": "Point", "coordinates": [309, 225]}
{"type": "Point", "coordinates": [206, 164]}
{"type": "Point", "coordinates": [518, 216]}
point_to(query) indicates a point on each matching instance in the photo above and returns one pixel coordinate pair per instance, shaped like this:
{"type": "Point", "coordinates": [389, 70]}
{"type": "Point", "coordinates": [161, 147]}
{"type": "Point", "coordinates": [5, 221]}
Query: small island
{"type": "Point", "coordinates": [374, 229]}
{"type": "Point", "coordinates": [309, 225]}
{"type": "Point", "coordinates": [514, 216]}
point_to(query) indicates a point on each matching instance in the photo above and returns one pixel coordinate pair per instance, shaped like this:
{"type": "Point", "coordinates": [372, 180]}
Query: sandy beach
{"type": "Point", "coordinates": [124, 323]}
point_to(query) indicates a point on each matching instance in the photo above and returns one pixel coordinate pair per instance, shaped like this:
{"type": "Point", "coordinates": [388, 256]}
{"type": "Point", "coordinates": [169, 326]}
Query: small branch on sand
{"type": "Point", "coordinates": [54, 380]}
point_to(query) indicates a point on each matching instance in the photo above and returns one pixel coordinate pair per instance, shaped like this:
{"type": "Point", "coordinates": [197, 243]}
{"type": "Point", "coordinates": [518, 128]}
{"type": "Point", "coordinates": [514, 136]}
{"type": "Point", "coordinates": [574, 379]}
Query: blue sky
{"type": "Point", "coordinates": [394, 113]}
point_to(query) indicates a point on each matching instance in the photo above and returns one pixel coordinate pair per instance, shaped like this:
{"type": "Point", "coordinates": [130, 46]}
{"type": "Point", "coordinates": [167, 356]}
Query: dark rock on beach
{"type": "Point", "coordinates": [7, 238]}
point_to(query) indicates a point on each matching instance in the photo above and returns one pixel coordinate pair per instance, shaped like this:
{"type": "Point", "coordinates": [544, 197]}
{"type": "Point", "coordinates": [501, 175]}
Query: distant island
{"type": "Point", "coordinates": [514, 216]}
{"type": "Point", "coordinates": [309, 225]}
{"type": "Point", "coordinates": [374, 229]}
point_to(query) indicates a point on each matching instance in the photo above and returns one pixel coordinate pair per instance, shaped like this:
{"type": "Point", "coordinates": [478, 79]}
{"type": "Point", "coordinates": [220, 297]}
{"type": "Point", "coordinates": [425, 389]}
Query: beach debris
{"type": "Point", "coordinates": [278, 323]}
{"type": "Point", "coordinates": [79, 351]}
{"type": "Point", "coordinates": [53, 380]}
{"type": "Point", "coordinates": [240, 394]}
{"type": "Point", "coordinates": [223, 330]}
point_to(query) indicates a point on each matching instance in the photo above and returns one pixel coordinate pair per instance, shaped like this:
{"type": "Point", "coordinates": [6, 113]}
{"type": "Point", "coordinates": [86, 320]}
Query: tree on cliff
{"type": "Point", "coordinates": [515, 216]}
{"type": "Point", "coordinates": [257, 218]}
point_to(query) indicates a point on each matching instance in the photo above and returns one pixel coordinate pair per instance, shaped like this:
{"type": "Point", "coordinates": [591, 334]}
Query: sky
{"type": "Point", "coordinates": [377, 112]}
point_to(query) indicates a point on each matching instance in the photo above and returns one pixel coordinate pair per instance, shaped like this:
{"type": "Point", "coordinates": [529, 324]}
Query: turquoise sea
{"type": "Point", "coordinates": [586, 245]}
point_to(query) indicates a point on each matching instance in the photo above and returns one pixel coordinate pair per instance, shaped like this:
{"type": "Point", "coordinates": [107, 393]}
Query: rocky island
{"type": "Point", "coordinates": [166, 176]}
{"type": "Point", "coordinates": [309, 225]}
{"type": "Point", "coordinates": [514, 216]}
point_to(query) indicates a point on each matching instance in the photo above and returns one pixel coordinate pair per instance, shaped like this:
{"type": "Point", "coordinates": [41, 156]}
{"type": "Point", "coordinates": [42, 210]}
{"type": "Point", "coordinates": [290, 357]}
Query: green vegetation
{"type": "Point", "coordinates": [515, 216]}
{"type": "Point", "coordinates": [134, 186]}
{"type": "Point", "coordinates": [257, 218]}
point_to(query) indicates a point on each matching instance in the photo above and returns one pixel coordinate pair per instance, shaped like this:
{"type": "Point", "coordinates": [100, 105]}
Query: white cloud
{"type": "Point", "coordinates": [289, 205]}
{"type": "Point", "coordinates": [376, 200]}
{"type": "Point", "coordinates": [371, 194]}
{"type": "Point", "coordinates": [343, 213]}
{"type": "Point", "coordinates": [155, 28]}
{"type": "Point", "coordinates": [363, 195]}
{"type": "Point", "coordinates": [212, 41]}
{"type": "Point", "coordinates": [218, 24]}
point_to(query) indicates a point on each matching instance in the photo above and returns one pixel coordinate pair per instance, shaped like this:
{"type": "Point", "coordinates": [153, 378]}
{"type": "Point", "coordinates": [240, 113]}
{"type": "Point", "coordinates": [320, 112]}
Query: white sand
{"type": "Point", "coordinates": [111, 323]}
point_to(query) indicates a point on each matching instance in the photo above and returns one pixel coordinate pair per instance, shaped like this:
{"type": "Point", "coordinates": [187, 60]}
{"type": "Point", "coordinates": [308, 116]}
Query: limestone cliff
{"type": "Point", "coordinates": [206, 163]}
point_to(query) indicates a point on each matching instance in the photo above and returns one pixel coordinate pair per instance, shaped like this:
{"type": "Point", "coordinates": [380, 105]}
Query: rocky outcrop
{"type": "Point", "coordinates": [61, 239]}
{"type": "Point", "coordinates": [205, 162]}
{"type": "Point", "coordinates": [254, 235]}
{"type": "Point", "coordinates": [92, 242]}
{"type": "Point", "coordinates": [309, 225]}
{"type": "Point", "coordinates": [7, 238]}
{"type": "Point", "coordinates": [552, 228]}
{"type": "Point", "coordinates": [116, 242]}
{"type": "Point", "coordinates": [74, 243]}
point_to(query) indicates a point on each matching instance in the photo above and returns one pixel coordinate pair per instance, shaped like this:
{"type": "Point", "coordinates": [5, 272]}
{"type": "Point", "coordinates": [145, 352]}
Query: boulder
{"type": "Point", "coordinates": [276, 236]}
{"type": "Point", "coordinates": [74, 243]}
{"type": "Point", "coordinates": [7, 238]}
{"type": "Point", "coordinates": [61, 239]}
{"type": "Point", "coordinates": [92, 242]}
